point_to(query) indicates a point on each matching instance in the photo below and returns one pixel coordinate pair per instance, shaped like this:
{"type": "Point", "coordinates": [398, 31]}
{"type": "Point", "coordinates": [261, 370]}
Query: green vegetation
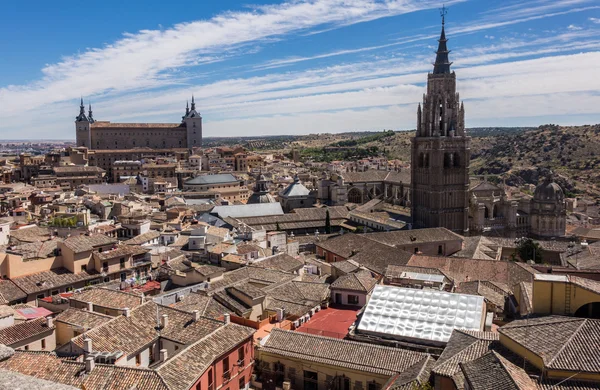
{"type": "Point", "coordinates": [331, 154]}
{"type": "Point", "coordinates": [364, 140]}
{"type": "Point", "coordinates": [63, 222]}
{"type": "Point", "coordinates": [530, 250]}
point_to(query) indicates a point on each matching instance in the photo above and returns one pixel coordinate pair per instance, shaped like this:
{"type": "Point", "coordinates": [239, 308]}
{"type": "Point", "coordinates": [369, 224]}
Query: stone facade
{"type": "Point", "coordinates": [440, 153]}
{"type": "Point", "coordinates": [102, 135]}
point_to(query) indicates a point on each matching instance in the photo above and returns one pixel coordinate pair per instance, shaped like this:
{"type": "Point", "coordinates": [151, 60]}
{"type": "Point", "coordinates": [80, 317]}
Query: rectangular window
{"type": "Point", "coordinates": [242, 383]}
{"type": "Point", "coordinates": [41, 296]}
{"type": "Point", "coordinates": [84, 268]}
{"type": "Point", "coordinates": [226, 367]}
{"type": "Point", "coordinates": [373, 386]}
{"type": "Point", "coordinates": [122, 263]}
{"type": "Point", "coordinates": [43, 343]}
{"type": "Point", "coordinates": [138, 359]}
{"type": "Point", "coordinates": [440, 250]}
{"type": "Point", "coordinates": [241, 356]}
{"type": "Point", "coordinates": [353, 299]}
{"type": "Point", "coordinates": [210, 379]}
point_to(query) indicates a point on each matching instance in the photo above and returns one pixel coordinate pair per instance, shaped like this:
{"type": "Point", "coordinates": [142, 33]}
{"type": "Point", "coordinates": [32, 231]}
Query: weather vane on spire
{"type": "Point", "coordinates": [443, 13]}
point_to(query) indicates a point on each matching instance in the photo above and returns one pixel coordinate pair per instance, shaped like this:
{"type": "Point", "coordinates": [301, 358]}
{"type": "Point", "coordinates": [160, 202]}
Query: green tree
{"type": "Point", "coordinates": [422, 386]}
{"type": "Point", "coordinates": [530, 250]}
{"type": "Point", "coordinates": [327, 222]}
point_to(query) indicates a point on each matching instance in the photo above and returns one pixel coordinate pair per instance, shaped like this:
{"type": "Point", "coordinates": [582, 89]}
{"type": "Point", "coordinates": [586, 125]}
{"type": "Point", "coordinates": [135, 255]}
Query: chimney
{"type": "Point", "coordinates": [164, 355]}
{"type": "Point", "coordinates": [164, 321]}
{"type": "Point", "coordinates": [87, 345]}
{"type": "Point", "coordinates": [49, 322]}
{"type": "Point", "coordinates": [89, 364]}
{"type": "Point", "coordinates": [90, 306]}
{"type": "Point", "coordinates": [227, 318]}
{"type": "Point", "coordinates": [196, 315]}
{"type": "Point", "coordinates": [126, 312]}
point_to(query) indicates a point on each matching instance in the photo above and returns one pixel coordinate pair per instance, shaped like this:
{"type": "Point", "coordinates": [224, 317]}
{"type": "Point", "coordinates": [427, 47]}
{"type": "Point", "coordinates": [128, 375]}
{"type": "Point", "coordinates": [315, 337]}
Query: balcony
{"type": "Point", "coordinates": [226, 376]}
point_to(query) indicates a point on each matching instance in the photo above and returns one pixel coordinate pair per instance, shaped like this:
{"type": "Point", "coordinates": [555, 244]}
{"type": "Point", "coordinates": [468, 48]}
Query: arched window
{"type": "Point", "coordinates": [486, 213]}
{"type": "Point", "coordinates": [456, 160]}
{"type": "Point", "coordinates": [426, 160]}
{"type": "Point", "coordinates": [355, 196]}
{"type": "Point", "coordinates": [421, 160]}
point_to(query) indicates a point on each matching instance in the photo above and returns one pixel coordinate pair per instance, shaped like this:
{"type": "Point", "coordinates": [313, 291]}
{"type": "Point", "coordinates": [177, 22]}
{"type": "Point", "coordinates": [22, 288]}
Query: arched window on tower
{"type": "Point", "coordinates": [421, 160]}
{"type": "Point", "coordinates": [456, 160]}
{"type": "Point", "coordinates": [447, 160]}
{"type": "Point", "coordinates": [441, 118]}
{"type": "Point", "coordinates": [426, 160]}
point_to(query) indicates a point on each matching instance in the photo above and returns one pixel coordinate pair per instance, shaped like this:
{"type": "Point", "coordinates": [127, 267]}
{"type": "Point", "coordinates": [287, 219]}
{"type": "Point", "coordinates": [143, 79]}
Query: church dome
{"type": "Point", "coordinates": [548, 191]}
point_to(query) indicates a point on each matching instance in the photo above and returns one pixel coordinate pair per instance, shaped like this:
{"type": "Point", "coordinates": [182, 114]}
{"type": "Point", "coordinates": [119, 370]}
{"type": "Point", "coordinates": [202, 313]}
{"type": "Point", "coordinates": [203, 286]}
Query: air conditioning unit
{"type": "Point", "coordinates": [306, 318]}
{"type": "Point", "coordinates": [312, 312]}
{"type": "Point", "coordinates": [296, 324]}
{"type": "Point", "coordinates": [317, 309]}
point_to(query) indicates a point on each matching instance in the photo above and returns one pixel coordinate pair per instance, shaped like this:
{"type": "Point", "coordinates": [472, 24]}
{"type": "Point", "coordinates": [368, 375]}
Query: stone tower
{"type": "Point", "coordinates": [441, 152]}
{"type": "Point", "coordinates": [83, 123]}
{"type": "Point", "coordinates": [548, 213]}
{"type": "Point", "coordinates": [193, 124]}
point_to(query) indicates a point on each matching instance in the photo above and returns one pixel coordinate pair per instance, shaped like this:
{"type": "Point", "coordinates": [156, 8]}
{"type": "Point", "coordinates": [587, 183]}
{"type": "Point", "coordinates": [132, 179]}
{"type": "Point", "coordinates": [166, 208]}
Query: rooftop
{"type": "Point", "coordinates": [342, 353]}
{"type": "Point", "coordinates": [427, 315]}
{"type": "Point", "coordinates": [107, 297]}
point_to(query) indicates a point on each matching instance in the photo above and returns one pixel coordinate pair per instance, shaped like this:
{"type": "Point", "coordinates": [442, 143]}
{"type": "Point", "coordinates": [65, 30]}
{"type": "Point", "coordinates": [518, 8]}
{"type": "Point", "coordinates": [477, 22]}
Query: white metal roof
{"type": "Point", "coordinates": [248, 210]}
{"type": "Point", "coordinates": [551, 278]}
{"type": "Point", "coordinates": [424, 277]}
{"type": "Point", "coordinates": [420, 314]}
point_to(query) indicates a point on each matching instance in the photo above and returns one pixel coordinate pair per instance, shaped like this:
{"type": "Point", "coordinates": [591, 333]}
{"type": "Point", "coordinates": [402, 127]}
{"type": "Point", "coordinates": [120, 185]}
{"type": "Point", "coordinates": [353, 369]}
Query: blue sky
{"type": "Point", "coordinates": [293, 67]}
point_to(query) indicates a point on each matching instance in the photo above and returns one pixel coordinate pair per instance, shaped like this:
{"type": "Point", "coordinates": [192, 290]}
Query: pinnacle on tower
{"type": "Point", "coordinates": [193, 103]}
{"type": "Point", "coordinates": [442, 63]}
{"type": "Point", "coordinates": [90, 113]}
{"type": "Point", "coordinates": [187, 107]}
{"type": "Point", "coordinates": [81, 117]}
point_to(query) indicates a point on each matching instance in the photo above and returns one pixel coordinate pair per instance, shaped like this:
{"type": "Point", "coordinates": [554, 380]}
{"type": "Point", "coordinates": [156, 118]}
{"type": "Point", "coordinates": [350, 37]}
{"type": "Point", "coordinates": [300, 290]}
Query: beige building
{"type": "Point", "coordinates": [304, 361]}
{"type": "Point", "coordinates": [33, 335]}
{"type": "Point", "coordinates": [106, 135]}
{"type": "Point", "coordinates": [226, 185]}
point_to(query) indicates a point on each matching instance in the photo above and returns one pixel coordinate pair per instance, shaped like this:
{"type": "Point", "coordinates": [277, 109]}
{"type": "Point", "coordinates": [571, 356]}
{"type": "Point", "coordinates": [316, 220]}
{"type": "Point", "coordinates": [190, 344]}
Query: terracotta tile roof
{"type": "Point", "coordinates": [35, 250]}
{"type": "Point", "coordinates": [104, 377]}
{"type": "Point", "coordinates": [346, 266]}
{"type": "Point", "coordinates": [181, 371]}
{"type": "Point", "coordinates": [121, 251]}
{"type": "Point", "coordinates": [414, 237]}
{"type": "Point", "coordinates": [10, 291]}
{"type": "Point", "coordinates": [563, 343]}
{"type": "Point", "coordinates": [82, 243]}
{"type": "Point", "coordinates": [23, 330]}
{"type": "Point", "coordinates": [360, 281]}
{"type": "Point", "coordinates": [30, 234]}
{"type": "Point", "coordinates": [413, 377]}
{"type": "Point", "coordinates": [342, 353]}
{"type": "Point", "coordinates": [281, 262]}
{"type": "Point", "coordinates": [143, 238]}
{"type": "Point", "coordinates": [130, 334]}
{"type": "Point", "coordinates": [463, 346]}
{"type": "Point", "coordinates": [206, 305]}
{"type": "Point", "coordinates": [52, 279]}
{"type": "Point", "coordinates": [109, 298]}
{"type": "Point", "coordinates": [347, 245]}
{"type": "Point", "coordinates": [477, 287]}
{"type": "Point", "coordinates": [492, 371]}
{"type": "Point", "coordinates": [464, 270]}
{"type": "Point", "coordinates": [83, 318]}
{"type": "Point", "coordinates": [561, 384]}
{"type": "Point", "coordinates": [378, 257]}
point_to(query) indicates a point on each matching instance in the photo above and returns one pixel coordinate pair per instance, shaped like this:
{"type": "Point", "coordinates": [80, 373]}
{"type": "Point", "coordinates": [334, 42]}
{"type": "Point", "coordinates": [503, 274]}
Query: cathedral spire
{"type": "Point", "coordinates": [193, 103]}
{"type": "Point", "coordinates": [187, 107]}
{"type": "Point", "coordinates": [442, 63]}
{"type": "Point", "coordinates": [90, 113]}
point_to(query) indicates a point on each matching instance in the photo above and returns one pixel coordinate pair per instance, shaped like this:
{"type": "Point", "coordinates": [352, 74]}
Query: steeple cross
{"type": "Point", "coordinates": [443, 13]}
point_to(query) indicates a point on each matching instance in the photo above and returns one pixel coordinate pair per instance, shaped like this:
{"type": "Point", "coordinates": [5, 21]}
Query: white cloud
{"type": "Point", "coordinates": [595, 20]}
{"type": "Point", "coordinates": [145, 76]}
{"type": "Point", "coordinates": [573, 27]}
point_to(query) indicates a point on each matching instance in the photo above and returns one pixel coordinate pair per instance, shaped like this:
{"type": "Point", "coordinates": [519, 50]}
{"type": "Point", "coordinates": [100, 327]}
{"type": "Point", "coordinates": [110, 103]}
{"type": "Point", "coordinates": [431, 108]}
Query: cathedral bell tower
{"type": "Point", "coordinates": [440, 151]}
